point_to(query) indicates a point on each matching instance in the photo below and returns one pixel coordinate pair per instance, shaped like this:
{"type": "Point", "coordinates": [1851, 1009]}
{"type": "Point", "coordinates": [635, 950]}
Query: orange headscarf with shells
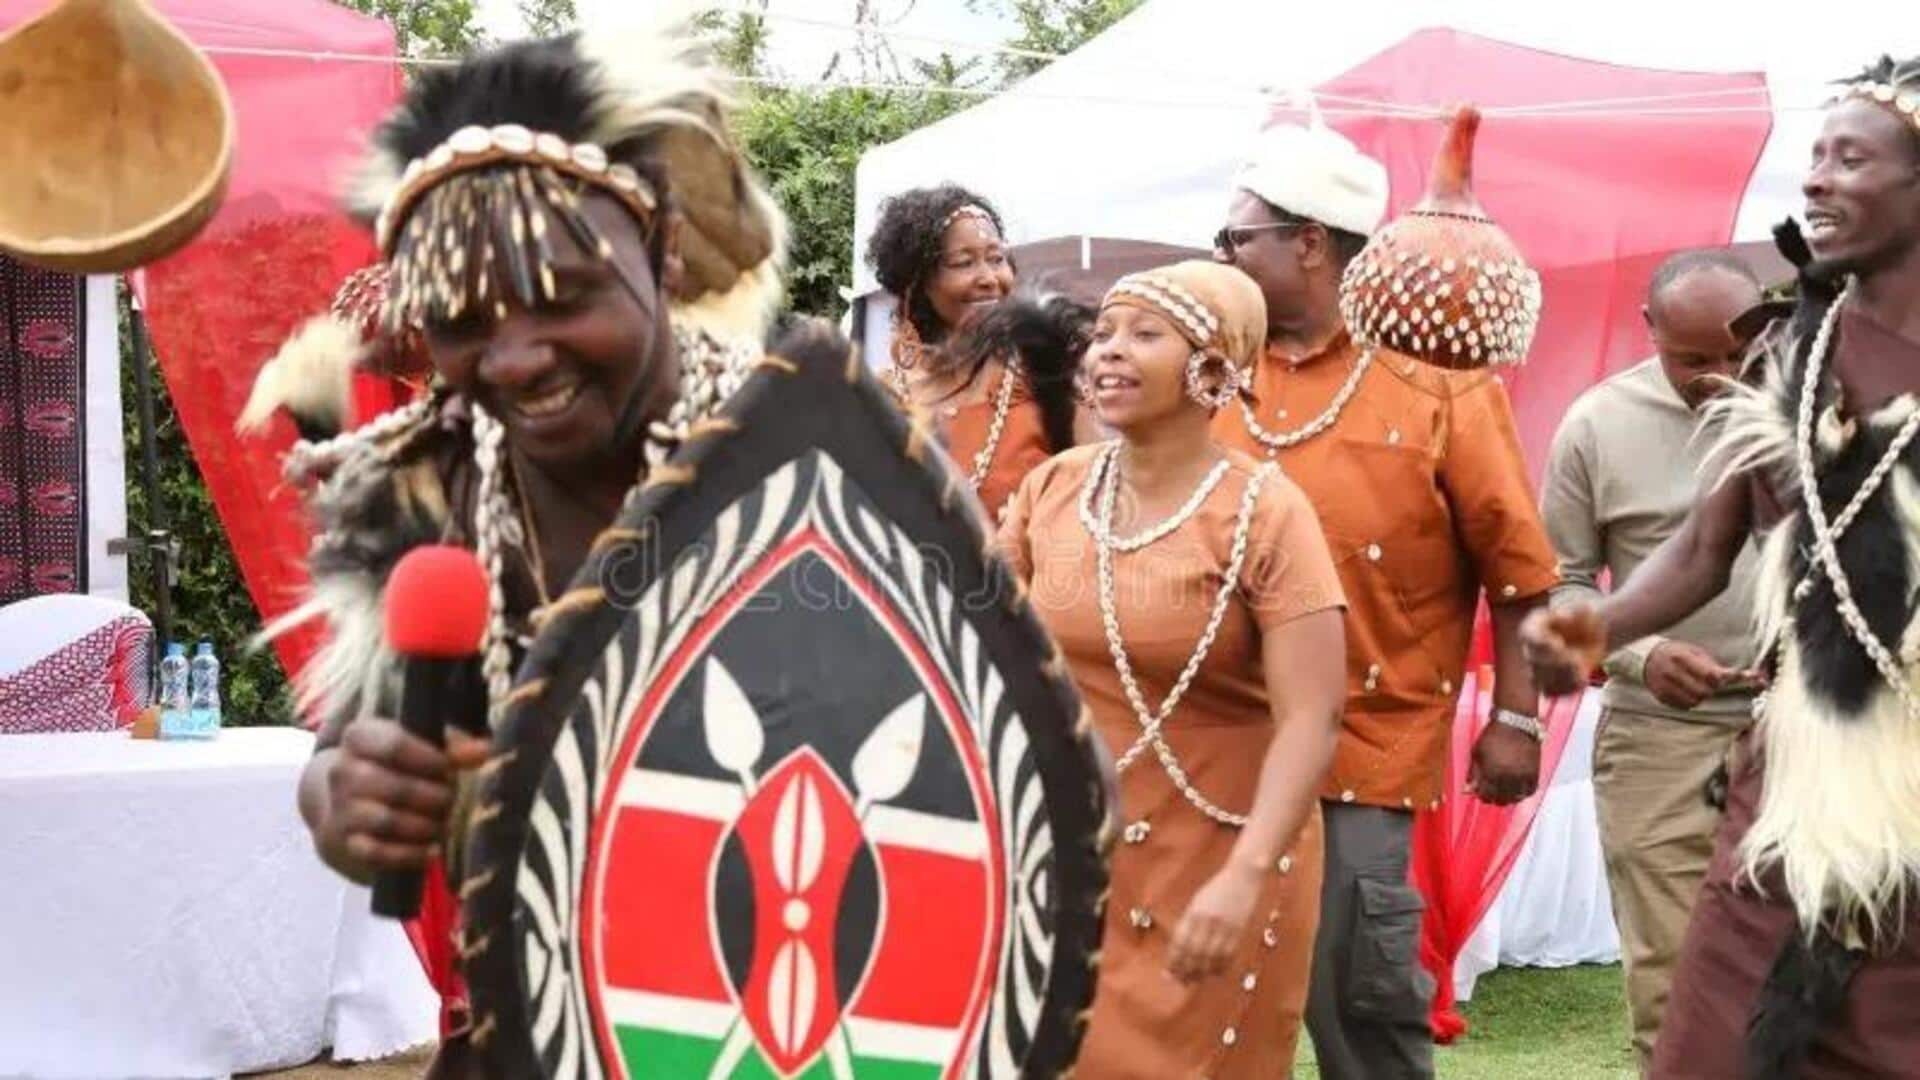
{"type": "Point", "coordinates": [1216, 307]}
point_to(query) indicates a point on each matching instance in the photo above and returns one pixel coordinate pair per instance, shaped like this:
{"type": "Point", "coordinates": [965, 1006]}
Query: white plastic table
{"type": "Point", "coordinates": [163, 914]}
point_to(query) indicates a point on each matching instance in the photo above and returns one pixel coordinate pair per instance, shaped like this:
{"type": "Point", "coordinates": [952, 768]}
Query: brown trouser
{"type": "Point", "coordinates": [1650, 777]}
{"type": "Point", "coordinates": [1735, 938]}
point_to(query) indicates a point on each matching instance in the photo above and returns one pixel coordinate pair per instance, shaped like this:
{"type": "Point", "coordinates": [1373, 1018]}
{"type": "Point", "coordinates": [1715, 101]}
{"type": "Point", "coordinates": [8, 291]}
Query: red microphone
{"type": "Point", "coordinates": [436, 619]}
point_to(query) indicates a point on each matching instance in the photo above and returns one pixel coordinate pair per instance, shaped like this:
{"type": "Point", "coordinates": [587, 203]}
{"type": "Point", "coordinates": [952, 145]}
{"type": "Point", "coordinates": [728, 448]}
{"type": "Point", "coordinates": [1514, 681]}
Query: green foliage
{"type": "Point", "coordinates": [806, 144]}
{"type": "Point", "coordinates": [1054, 27]}
{"type": "Point", "coordinates": [435, 27]}
{"type": "Point", "coordinates": [210, 600]}
{"type": "Point", "coordinates": [739, 39]}
{"type": "Point", "coordinates": [547, 18]}
{"type": "Point", "coordinates": [1524, 1023]}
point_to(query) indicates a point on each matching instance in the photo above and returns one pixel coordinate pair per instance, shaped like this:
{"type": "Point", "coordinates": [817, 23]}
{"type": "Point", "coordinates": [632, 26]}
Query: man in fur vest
{"type": "Point", "coordinates": [1803, 956]}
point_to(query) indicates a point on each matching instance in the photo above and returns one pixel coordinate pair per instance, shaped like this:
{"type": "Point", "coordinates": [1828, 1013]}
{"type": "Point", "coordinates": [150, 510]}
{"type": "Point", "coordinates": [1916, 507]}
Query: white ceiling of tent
{"type": "Point", "coordinates": [1135, 134]}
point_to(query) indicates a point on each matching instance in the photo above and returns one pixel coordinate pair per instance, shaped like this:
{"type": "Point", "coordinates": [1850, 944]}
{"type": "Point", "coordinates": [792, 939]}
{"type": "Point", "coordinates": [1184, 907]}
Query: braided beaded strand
{"type": "Point", "coordinates": [1825, 536]}
{"type": "Point", "coordinates": [1107, 476]}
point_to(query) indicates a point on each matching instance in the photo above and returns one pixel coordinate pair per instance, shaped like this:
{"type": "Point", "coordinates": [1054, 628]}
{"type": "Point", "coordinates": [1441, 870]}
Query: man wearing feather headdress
{"type": "Point", "coordinates": [1803, 956]}
{"type": "Point", "coordinates": [590, 268]}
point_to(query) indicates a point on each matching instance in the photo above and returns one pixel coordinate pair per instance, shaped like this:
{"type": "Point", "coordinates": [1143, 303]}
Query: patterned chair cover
{"type": "Point", "coordinates": [72, 663]}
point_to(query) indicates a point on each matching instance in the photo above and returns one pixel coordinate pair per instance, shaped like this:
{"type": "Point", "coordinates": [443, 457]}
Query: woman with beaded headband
{"type": "Point", "coordinates": [590, 266]}
{"type": "Point", "coordinates": [1195, 600]}
{"type": "Point", "coordinates": [995, 370]}
{"type": "Point", "coordinates": [1803, 955]}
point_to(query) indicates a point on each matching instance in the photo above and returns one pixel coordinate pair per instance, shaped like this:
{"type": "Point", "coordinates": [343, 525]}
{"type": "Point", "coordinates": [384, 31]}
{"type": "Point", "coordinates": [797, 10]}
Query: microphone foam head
{"type": "Point", "coordinates": [437, 603]}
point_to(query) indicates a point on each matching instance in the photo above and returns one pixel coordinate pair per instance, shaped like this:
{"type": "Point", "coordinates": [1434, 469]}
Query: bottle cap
{"type": "Point", "coordinates": [205, 649]}
{"type": "Point", "coordinates": [174, 648]}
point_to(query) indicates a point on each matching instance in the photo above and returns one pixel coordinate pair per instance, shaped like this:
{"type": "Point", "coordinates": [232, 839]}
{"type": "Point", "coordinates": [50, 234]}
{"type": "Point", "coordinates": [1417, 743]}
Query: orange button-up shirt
{"type": "Point", "coordinates": [1423, 493]}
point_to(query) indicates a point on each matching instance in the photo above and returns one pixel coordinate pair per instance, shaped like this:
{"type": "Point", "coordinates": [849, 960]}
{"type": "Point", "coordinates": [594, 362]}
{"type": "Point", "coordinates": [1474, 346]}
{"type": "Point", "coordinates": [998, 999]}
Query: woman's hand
{"type": "Point", "coordinates": [1212, 926]}
{"type": "Point", "coordinates": [388, 797]}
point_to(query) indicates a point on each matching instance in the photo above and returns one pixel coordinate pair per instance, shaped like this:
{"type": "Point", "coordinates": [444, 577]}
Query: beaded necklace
{"type": "Point", "coordinates": [1281, 440]}
{"type": "Point", "coordinates": [1826, 535]}
{"type": "Point", "coordinates": [1002, 406]}
{"type": "Point", "coordinates": [1105, 479]}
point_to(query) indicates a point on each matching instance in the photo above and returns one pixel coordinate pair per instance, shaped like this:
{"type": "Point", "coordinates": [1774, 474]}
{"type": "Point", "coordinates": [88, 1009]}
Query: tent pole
{"type": "Point", "coordinates": [159, 542]}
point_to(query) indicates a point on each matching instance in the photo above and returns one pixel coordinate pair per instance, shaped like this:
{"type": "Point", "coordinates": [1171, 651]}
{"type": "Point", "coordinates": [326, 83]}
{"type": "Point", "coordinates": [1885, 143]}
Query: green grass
{"type": "Point", "coordinates": [1569, 1024]}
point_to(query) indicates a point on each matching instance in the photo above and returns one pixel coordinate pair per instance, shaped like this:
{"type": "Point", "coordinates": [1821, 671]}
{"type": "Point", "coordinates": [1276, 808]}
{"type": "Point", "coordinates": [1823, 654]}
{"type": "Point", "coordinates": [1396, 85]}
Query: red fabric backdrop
{"type": "Point", "coordinates": [1594, 201]}
{"type": "Point", "coordinates": [1463, 852]}
{"type": "Point", "coordinates": [272, 256]}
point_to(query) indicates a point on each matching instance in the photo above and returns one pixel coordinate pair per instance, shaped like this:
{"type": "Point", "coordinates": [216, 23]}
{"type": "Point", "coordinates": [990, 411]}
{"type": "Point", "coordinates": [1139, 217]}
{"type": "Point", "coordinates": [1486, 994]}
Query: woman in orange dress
{"type": "Point", "coordinates": [996, 377]}
{"type": "Point", "coordinates": [1191, 591]}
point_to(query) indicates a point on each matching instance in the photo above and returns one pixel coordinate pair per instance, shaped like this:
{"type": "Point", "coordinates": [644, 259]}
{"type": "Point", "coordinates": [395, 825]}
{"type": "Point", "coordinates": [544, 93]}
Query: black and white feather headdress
{"type": "Point", "coordinates": [476, 169]}
{"type": "Point", "coordinates": [465, 181]}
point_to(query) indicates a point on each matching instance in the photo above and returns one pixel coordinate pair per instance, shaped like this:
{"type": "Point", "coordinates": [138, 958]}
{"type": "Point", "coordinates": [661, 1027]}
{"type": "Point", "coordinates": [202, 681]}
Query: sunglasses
{"type": "Point", "coordinates": [1233, 237]}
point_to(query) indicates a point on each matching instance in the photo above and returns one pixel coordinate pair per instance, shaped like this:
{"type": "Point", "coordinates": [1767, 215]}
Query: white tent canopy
{"type": "Point", "coordinates": [1135, 138]}
{"type": "Point", "coordinates": [1136, 134]}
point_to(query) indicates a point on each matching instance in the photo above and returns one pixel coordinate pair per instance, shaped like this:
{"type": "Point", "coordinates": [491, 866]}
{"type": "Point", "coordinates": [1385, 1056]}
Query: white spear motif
{"type": "Point", "coordinates": [840, 1054]}
{"type": "Point", "coordinates": [882, 768]}
{"type": "Point", "coordinates": [733, 1051]}
{"type": "Point", "coordinates": [886, 762]}
{"type": "Point", "coordinates": [734, 735]}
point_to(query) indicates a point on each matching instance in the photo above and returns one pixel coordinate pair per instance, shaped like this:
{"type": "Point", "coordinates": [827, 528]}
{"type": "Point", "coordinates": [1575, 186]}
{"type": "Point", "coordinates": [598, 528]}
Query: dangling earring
{"type": "Point", "coordinates": [1083, 388]}
{"type": "Point", "coordinates": [908, 350]}
{"type": "Point", "coordinates": [1222, 392]}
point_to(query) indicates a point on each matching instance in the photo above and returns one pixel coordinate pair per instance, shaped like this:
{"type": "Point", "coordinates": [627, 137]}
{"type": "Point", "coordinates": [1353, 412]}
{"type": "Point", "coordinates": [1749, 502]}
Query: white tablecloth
{"type": "Point", "coordinates": [1554, 910]}
{"type": "Point", "coordinates": [163, 914]}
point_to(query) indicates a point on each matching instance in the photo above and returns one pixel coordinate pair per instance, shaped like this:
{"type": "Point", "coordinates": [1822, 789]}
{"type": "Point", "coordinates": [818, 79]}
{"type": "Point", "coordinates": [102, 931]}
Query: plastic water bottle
{"type": "Point", "coordinates": [173, 692]}
{"type": "Point", "coordinates": [203, 705]}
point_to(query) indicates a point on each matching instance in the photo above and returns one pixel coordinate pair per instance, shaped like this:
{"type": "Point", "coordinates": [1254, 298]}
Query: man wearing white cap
{"type": "Point", "coordinates": [1418, 480]}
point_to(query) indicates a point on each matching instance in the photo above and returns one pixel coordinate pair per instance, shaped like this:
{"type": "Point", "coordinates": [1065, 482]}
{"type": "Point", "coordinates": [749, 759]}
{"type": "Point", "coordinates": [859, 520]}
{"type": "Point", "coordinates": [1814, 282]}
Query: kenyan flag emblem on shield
{"type": "Point", "coordinates": [795, 871]}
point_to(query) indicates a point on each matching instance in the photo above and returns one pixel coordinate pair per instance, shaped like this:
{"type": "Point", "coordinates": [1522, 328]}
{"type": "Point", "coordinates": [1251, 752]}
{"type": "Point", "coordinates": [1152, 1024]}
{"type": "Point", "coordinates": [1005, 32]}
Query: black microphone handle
{"type": "Point", "coordinates": [424, 687]}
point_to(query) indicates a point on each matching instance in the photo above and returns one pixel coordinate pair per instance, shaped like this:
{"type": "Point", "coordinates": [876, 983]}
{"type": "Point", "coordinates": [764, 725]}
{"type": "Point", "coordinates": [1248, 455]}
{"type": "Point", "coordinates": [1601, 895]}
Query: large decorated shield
{"type": "Point", "coordinates": [793, 784]}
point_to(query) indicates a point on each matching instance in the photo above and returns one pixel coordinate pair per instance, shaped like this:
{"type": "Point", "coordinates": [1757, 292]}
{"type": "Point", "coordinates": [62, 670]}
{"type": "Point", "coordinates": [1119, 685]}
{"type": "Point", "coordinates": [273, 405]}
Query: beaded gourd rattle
{"type": "Point", "coordinates": [1444, 283]}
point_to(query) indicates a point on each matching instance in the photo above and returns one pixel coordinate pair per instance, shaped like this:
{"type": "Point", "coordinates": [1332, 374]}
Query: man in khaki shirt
{"type": "Point", "coordinates": [1623, 473]}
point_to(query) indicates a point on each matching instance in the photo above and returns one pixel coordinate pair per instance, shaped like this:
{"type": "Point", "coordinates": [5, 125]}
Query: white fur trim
{"type": "Point", "coordinates": [346, 671]}
{"type": "Point", "coordinates": [1750, 430]}
{"type": "Point", "coordinates": [1317, 173]}
{"type": "Point", "coordinates": [1837, 811]}
{"type": "Point", "coordinates": [311, 376]}
{"type": "Point", "coordinates": [372, 182]}
{"type": "Point", "coordinates": [653, 64]}
{"type": "Point", "coordinates": [743, 312]}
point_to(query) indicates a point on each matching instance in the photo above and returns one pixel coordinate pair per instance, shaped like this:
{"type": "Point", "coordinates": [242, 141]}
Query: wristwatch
{"type": "Point", "coordinates": [1520, 720]}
